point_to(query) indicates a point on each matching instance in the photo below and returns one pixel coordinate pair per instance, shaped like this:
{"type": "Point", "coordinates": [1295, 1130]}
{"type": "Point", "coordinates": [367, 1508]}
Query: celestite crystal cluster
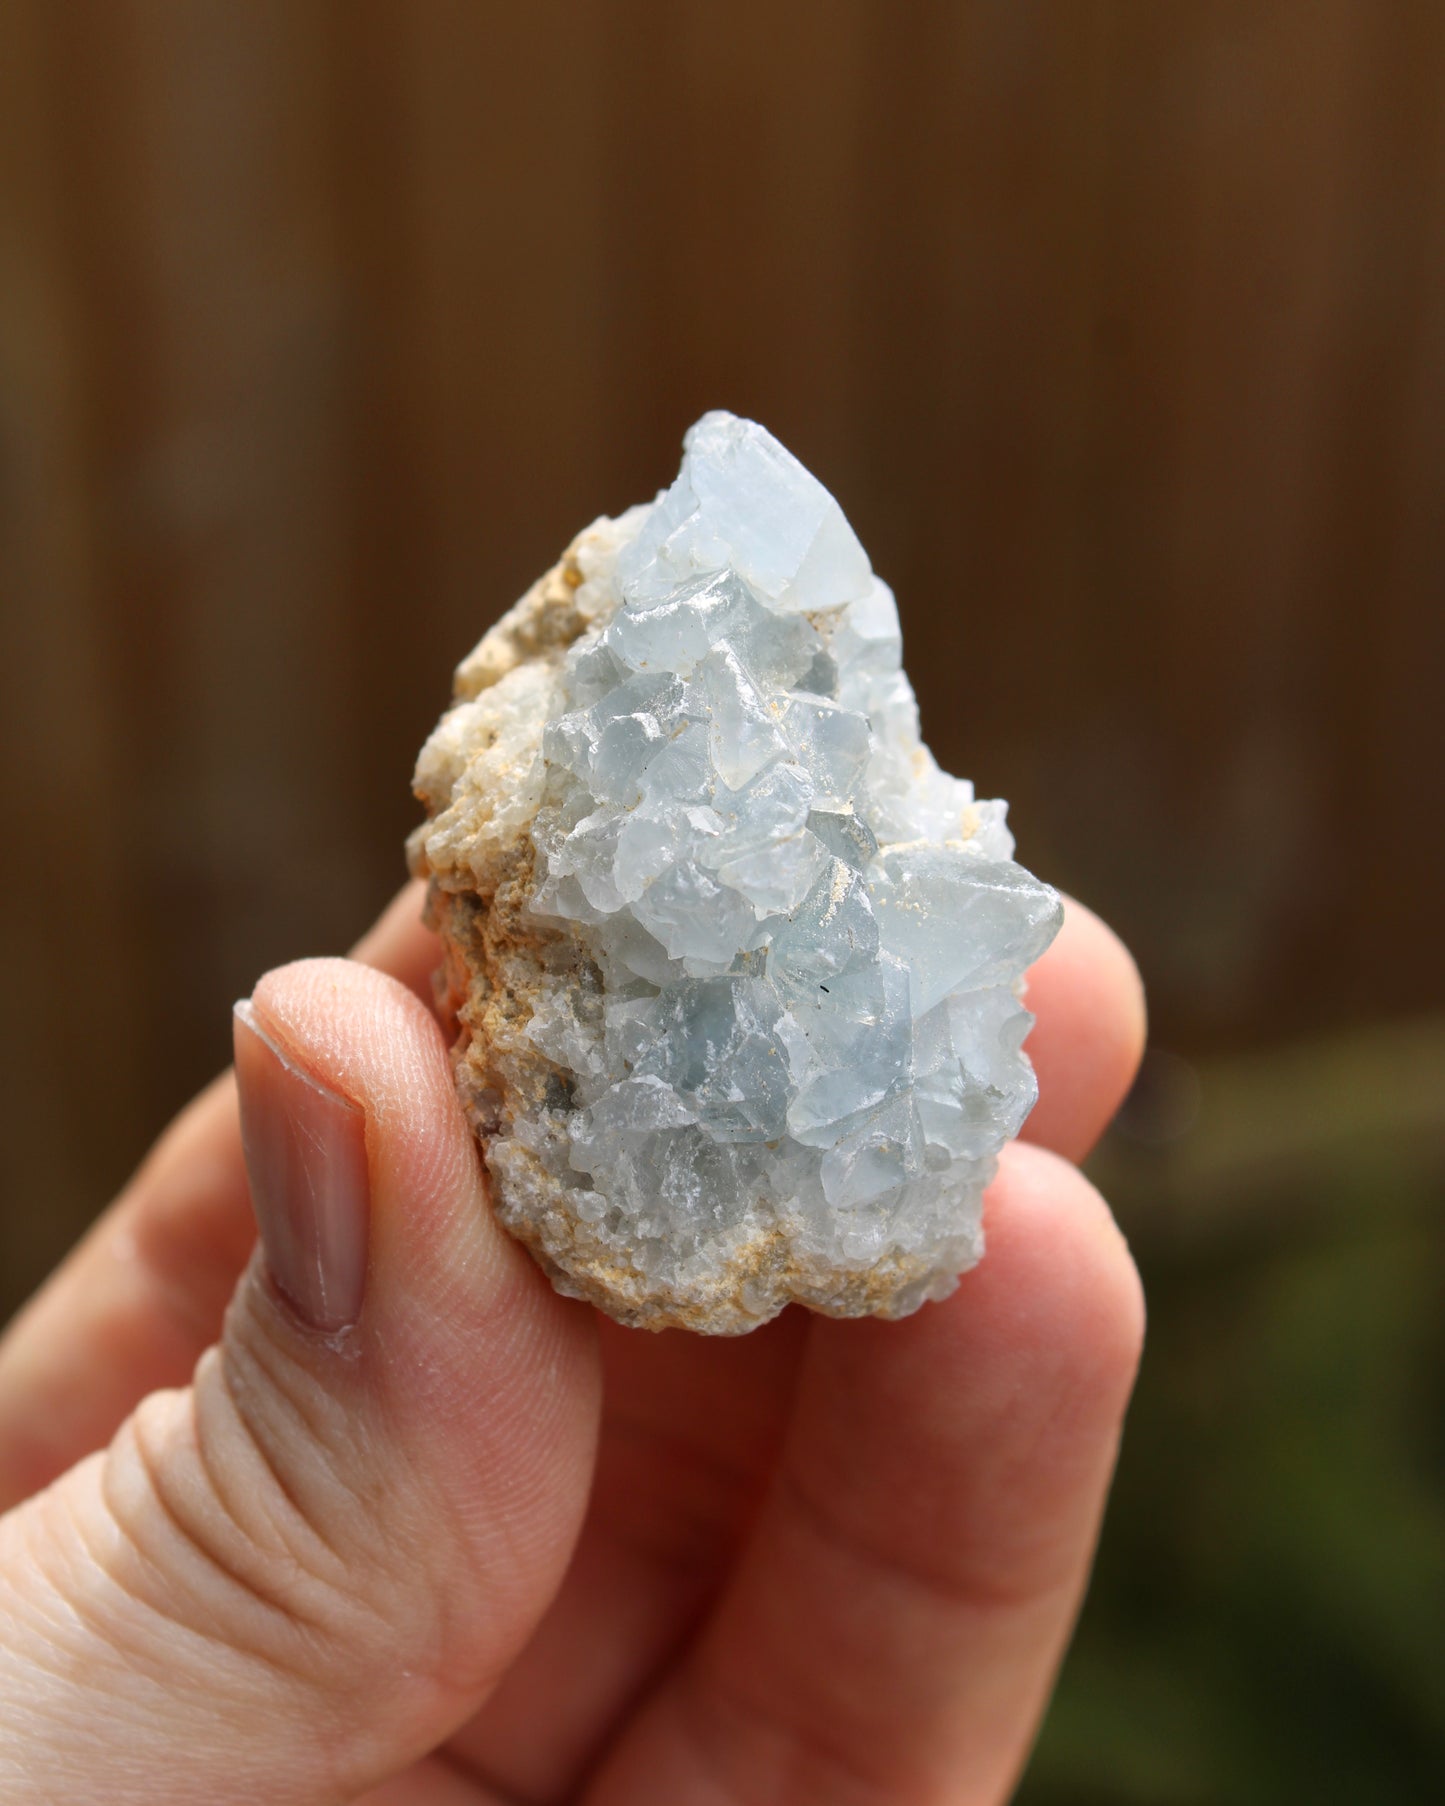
{"type": "Point", "coordinates": [735, 967]}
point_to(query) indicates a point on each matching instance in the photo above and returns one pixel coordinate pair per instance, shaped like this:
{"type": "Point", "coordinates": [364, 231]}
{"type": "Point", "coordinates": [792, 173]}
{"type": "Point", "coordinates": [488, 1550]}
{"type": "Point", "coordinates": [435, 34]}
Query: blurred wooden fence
{"type": "Point", "coordinates": [1119, 328]}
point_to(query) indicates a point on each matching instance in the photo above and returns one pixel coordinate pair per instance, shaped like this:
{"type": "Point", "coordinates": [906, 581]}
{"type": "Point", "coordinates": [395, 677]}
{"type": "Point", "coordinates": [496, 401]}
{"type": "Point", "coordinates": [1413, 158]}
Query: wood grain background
{"type": "Point", "coordinates": [1118, 327]}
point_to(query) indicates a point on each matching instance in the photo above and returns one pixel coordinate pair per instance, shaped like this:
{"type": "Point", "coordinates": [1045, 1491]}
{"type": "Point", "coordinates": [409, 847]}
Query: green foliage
{"type": "Point", "coordinates": [1267, 1612]}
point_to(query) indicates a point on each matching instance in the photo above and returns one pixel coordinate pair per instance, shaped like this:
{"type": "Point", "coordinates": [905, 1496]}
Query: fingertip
{"type": "Point", "coordinates": [364, 1036]}
{"type": "Point", "coordinates": [304, 980]}
{"type": "Point", "coordinates": [1058, 1285]}
{"type": "Point", "coordinates": [1088, 996]}
{"type": "Point", "coordinates": [358, 1029]}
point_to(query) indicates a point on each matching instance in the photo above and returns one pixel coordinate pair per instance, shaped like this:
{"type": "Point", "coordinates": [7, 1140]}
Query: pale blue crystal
{"type": "Point", "coordinates": [825, 972]}
{"type": "Point", "coordinates": [776, 1024]}
{"type": "Point", "coordinates": [742, 503]}
{"type": "Point", "coordinates": [956, 921]}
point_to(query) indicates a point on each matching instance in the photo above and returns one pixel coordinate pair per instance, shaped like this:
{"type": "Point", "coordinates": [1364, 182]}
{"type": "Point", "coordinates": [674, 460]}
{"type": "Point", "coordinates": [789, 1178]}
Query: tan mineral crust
{"type": "Point", "coordinates": [734, 968]}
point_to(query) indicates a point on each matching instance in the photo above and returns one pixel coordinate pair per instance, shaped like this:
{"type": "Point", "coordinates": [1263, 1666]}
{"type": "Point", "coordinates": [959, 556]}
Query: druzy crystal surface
{"type": "Point", "coordinates": [735, 968]}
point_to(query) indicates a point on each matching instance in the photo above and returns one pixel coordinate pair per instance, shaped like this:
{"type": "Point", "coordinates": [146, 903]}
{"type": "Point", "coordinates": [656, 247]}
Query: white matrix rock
{"type": "Point", "coordinates": [735, 967]}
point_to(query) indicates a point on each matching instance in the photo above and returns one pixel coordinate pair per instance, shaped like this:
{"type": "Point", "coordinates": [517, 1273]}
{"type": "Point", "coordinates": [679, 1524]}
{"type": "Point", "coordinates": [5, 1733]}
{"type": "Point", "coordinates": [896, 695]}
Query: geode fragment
{"type": "Point", "coordinates": [735, 967]}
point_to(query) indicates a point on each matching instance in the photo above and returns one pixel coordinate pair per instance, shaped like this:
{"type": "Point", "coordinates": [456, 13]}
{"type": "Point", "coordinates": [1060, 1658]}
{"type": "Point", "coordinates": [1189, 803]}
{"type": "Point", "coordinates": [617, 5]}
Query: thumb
{"type": "Point", "coordinates": [291, 1579]}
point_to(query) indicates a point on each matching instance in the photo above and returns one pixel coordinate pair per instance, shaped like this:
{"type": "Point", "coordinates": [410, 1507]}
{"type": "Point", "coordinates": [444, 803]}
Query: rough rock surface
{"type": "Point", "coordinates": [735, 967]}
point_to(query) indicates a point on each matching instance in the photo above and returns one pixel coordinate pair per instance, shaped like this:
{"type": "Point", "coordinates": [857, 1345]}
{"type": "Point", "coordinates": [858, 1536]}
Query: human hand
{"type": "Point", "coordinates": [449, 1539]}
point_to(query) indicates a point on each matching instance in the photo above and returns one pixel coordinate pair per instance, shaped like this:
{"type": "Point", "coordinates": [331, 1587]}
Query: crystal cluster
{"type": "Point", "coordinates": [735, 968]}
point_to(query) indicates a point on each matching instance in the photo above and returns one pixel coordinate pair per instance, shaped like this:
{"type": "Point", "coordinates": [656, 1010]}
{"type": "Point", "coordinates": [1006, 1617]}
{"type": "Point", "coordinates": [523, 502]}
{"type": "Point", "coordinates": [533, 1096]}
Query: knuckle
{"type": "Point", "coordinates": [221, 1514]}
{"type": "Point", "coordinates": [193, 1532]}
{"type": "Point", "coordinates": [339, 1508]}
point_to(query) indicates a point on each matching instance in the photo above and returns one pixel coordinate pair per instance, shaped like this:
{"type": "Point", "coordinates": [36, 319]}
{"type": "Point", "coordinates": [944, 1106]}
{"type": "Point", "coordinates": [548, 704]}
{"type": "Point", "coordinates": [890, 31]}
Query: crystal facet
{"type": "Point", "coordinates": [735, 968]}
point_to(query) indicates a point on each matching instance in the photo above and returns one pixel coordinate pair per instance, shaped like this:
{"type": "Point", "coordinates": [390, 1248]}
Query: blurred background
{"type": "Point", "coordinates": [1118, 328]}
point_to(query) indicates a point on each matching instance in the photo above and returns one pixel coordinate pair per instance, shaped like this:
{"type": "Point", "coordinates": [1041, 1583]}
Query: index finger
{"type": "Point", "coordinates": [1086, 1046]}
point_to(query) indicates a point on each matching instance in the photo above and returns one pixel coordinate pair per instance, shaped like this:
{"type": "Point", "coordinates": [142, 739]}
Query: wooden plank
{"type": "Point", "coordinates": [198, 319]}
{"type": "Point", "coordinates": [201, 214]}
{"type": "Point", "coordinates": [1221, 247]}
{"type": "Point", "coordinates": [468, 185]}
{"type": "Point", "coordinates": [68, 1087]}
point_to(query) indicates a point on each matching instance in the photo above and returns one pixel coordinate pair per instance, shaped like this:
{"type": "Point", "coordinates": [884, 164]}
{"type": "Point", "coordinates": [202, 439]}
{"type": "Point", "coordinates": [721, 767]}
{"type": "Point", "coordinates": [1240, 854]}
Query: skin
{"type": "Point", "coordinates": [487, 1547]}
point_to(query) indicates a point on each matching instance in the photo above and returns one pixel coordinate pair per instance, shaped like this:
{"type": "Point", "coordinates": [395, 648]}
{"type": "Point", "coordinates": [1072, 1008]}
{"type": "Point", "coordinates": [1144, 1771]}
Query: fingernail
{"type": "Point", "coordinates": [306, 1156]}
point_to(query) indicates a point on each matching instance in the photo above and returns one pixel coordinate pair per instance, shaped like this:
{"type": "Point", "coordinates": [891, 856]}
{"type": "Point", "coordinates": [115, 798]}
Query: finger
{"type": "Point", "coordinates": [399, 942]}
{"type": "Point", "coordinates": [133, 1306]}
{"type": "Point", "coordinates": [1089, 1037]}
{"type": "Point", "coordinates": [691, 1427]}
{"type": "Point", "coordinates": [895, 1623]}
{"type": "Point", "coordinates": [349, 1523]}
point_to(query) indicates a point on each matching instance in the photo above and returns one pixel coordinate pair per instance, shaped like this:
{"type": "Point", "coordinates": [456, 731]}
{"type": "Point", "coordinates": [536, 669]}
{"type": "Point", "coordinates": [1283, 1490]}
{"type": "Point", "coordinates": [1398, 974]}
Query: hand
{"type": "Point", "coordinates": [457, 1541]}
